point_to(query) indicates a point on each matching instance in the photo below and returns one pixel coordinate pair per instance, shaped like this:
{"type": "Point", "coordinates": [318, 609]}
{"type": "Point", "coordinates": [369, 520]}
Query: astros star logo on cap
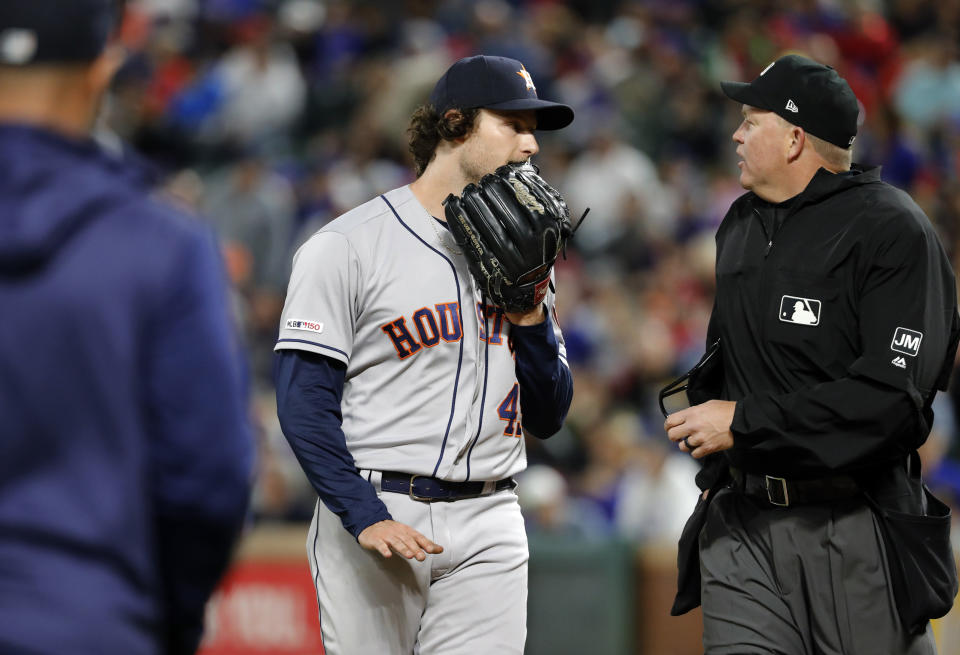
{"type": "Point", "coordinates": [526, 77]}
{"type": "Point", "coordinates": [495, 83]}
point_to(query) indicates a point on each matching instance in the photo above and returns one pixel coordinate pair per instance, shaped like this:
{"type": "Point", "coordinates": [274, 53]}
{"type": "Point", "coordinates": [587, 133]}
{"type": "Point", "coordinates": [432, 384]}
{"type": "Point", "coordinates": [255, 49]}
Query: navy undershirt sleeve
{"type": "Point", "coordinates": [546, 385]}
{"type": "Point", "coordinates": [309, 391]}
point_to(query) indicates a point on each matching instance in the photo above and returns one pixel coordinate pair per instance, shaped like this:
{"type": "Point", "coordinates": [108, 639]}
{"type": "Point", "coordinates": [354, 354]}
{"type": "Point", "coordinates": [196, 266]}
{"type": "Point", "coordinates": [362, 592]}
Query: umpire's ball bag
{"type": "Point", "coordinates": [920, 558]}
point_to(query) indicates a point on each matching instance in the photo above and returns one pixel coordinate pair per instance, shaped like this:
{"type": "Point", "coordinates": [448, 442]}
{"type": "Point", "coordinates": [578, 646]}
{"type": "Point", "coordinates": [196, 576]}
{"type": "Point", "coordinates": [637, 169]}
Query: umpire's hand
{"type": "Point", "coordinates": [388, 537]}
{"type": "Point", "coordinates": [702, 429]}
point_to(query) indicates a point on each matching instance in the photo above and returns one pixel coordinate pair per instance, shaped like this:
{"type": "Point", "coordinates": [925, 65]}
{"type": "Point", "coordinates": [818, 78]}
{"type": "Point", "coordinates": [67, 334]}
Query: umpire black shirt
{"type": "Point", "coordinates": [837, 315]}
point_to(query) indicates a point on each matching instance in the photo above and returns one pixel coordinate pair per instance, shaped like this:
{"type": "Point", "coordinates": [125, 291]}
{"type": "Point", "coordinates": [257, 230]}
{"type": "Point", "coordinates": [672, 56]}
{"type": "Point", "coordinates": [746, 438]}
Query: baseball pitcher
{"type": "Point", "coordinates": [417, 347]}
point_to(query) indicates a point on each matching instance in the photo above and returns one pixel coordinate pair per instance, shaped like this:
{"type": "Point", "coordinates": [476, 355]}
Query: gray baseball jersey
{"type": "Point", "coordinates": [430, 386]}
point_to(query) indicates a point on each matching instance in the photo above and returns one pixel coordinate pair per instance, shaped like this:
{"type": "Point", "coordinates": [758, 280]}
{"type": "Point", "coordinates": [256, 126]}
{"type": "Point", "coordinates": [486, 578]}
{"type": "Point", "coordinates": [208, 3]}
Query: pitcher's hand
{"type": "Point", "coordinates": [388, 537]}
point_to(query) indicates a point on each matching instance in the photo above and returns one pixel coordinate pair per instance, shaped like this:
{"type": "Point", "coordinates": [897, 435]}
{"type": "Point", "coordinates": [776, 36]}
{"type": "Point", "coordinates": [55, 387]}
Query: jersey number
{"type": "Point", "coordinates": [509, 411]}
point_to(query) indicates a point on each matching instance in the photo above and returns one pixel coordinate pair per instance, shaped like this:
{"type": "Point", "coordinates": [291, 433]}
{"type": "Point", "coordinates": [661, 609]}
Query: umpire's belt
{"type": "Point", "coordinates": [427, 489]}
{"type": "Point", "coordinates": [784, 493]}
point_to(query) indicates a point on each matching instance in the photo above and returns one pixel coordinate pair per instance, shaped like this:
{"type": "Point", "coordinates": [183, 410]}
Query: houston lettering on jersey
{"type": "Point", "coordinates": [429, 327]}
{"type": "Point", "coordinates": [496, 330]}
{"type": "Point", "coordinates": [489, 313]}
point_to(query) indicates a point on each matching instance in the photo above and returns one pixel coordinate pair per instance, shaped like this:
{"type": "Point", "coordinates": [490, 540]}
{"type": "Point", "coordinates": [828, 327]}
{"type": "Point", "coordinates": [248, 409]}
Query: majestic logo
{"type": "Point", "coordinates": [526, 78]}
{"type": "Point", "coordinates": [525, 197]}
{"type": "Point", "coordinates": [802, 311]}
{"type": "Point", "coordinates": [791, 106]}
{"type": "Point", "coordinates": [309, 326]}
{"type": "Point", "coordinates": [899, 361]}
{"type": "Point", "coordinates": [906, 341]}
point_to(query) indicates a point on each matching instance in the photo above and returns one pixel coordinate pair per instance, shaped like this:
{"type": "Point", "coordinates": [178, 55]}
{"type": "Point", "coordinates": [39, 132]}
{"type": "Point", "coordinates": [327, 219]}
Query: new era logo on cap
{"type": "Point", "coordinates": [792, 107]}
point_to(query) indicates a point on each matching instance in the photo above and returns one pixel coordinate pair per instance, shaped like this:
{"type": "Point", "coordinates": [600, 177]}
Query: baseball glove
{"type": "Point", "coordinates": [511, 228]}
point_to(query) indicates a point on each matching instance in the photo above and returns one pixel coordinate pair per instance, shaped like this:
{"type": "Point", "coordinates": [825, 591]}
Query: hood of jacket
{"type": "Point", "coordinates": [51, 186]}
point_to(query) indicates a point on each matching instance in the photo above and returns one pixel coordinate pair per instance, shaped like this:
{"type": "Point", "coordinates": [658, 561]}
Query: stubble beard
{"type": "Point", "coordinates": [472, 169]}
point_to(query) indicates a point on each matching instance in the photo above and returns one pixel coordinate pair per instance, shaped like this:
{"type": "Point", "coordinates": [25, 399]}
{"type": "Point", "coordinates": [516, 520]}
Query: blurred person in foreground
{"type": "Point", "coordinates": [837, 322]}
{"type": "Point", "coordinates": [125, 452]}
{"type": "Point", "coordinates": [406, 394]}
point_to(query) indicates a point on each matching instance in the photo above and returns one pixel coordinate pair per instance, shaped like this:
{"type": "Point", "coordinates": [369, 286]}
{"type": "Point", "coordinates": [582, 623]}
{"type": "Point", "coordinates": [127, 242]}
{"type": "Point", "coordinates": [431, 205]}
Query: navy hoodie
{"type": "Point", "coordinates": [125, 449]}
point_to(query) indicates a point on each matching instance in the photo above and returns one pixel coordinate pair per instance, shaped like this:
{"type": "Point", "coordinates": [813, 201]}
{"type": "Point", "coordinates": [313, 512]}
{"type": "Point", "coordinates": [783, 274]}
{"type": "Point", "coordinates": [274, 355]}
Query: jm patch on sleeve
{"type": "Point", "coordinates": [906, 341]}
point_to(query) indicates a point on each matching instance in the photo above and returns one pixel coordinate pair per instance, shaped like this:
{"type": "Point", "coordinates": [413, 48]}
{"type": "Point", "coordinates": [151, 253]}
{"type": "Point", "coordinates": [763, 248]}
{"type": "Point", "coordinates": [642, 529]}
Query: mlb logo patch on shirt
{"type": "Point", "coordinates": [802, 311]}
{"type": "Point", "coordinates": [906, 341]}
{"type": "Point", "coordinates": [309, 326]}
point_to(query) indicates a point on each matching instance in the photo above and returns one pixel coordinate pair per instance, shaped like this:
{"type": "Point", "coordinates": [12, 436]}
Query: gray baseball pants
{"type": "Point", "coordinates": [805, 580]}
{"type": "Point", "coordinates": [467, 600]}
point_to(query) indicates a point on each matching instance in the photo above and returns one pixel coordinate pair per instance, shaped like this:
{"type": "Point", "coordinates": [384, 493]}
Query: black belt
{"type": "Point", "coordinates": [427, 489]}
{"type": "Point", "coordinates": [784, 493]}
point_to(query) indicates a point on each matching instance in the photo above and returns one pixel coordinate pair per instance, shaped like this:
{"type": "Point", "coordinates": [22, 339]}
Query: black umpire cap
{"type": "Point", "coordinates": [497, 83]}
{"type": "Point", "coordinates": [55, 31]}
{"type": "Point", "coordinates": [805, 93]}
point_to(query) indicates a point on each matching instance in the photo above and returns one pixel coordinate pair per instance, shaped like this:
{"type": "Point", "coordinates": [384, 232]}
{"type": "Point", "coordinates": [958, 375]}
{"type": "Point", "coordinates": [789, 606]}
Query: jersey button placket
{"type": "Point", "coordinates": [476, 352]}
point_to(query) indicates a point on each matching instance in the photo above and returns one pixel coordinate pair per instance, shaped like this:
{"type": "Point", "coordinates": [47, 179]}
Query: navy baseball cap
{"type": "Point", "coordinates": [55, 31]}
{"type": "Point", "coordinates": [805, 93]}
{"type": "Point", "coordinates": [497, 83]}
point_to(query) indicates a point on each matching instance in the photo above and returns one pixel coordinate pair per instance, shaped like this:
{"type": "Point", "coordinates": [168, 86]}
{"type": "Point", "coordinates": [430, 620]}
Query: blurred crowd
{"type": "Point", "coordinates": [272, 117]}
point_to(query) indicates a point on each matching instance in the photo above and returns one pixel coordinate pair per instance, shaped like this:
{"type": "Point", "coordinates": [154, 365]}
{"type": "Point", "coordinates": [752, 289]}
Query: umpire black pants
{"type": "Point", "coordinates": [806, 580]}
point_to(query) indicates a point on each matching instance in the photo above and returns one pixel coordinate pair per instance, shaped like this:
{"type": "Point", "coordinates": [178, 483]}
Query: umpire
{"type": "Point", "coordinates": [836, 322]}
{"type": "Point", "coordinates": [125, 451]}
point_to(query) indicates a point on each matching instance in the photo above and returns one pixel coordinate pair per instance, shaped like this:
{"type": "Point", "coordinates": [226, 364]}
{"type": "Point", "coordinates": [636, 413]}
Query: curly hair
{"type": "Point", "coordinates": [427, 128]}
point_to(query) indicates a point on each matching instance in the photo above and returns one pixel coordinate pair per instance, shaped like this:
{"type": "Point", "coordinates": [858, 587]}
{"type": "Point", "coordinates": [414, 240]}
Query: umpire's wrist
{"type": "Point", "coordinates": [535, 316]}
